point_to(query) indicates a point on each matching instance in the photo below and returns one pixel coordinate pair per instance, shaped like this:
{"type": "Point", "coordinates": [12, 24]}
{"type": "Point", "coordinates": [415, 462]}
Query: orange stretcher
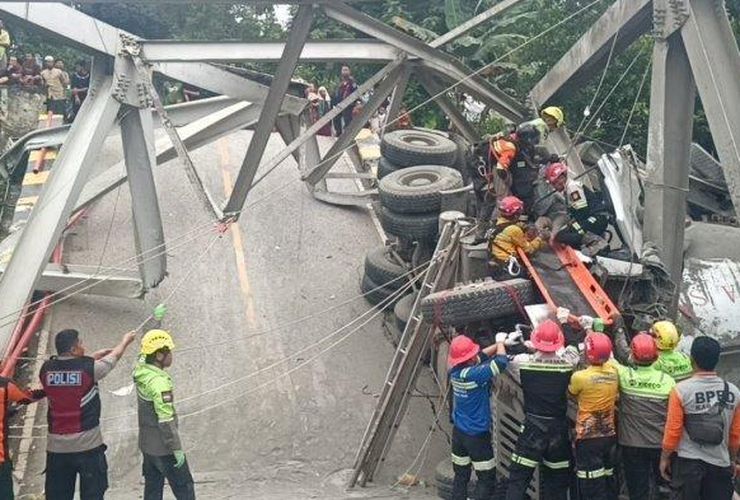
{"type": "Point", "coordinates": [564, 281]}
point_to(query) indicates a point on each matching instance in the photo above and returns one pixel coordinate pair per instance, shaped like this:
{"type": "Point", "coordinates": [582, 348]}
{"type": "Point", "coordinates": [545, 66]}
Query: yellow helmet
{"type": "Point", "coordinates": [155, 340]}
{"type": "Point", "coordinates": [554, 112]}
{"type": "Point", "coordinates": [666, 335]}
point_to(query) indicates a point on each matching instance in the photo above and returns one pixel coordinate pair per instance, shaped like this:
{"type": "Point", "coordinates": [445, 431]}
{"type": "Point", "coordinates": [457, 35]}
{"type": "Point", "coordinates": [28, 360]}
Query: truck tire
{"type": "Point", "coordinates": [413, 226]}
{"type": "Point", "coordinates": [382, 269]}
{"type": "Point", "coordinates": [416, 190]}
{"type": "Point", "coordinates": [385, 167]}
{"type": "Point", "coordinates": [407, 148]}
{"type": "Point", "coordinates": [402, 310]}
{"type": "Point", "coordinates": [376, 294]}
{"type": "Point", "coordinates": [478, 301]}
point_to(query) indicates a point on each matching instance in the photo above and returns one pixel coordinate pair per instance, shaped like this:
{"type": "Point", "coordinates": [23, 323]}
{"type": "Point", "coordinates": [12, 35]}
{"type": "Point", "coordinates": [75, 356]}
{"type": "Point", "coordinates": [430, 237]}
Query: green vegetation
{"type": "Point", "coordinates": [496, 45]}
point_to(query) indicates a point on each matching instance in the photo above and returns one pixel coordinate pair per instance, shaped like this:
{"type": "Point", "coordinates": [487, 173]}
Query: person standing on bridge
{"type": "Point", "coordinates": [347, 86]}
{"type": "Point", "coordinates": [75, 444]}
{"type": "Point", "coordinates": [159, 439]}
{"type": "Point", "coordinates": [10, 393]}
{"type": "Point", "coordinates": [643, 403]}
{"type": "Point", "coordinates": [471, 373]}
{"type": "Point", "coordinates": [702, 430]}
{"type": "Point", "coordinates": [674, 363]}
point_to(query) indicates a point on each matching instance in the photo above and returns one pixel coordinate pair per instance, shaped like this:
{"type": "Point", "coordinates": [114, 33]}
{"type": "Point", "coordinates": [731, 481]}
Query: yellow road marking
{"type": "Point", "coordinates": [236, 238]}
{"type": "Point", "coordinates": [28, 200]}
{"type": "Point", "coordinates": [31, 179]}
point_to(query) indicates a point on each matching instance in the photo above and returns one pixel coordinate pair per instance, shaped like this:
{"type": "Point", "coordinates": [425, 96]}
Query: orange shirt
{"type": "Point", "coordinates": [9, 392]}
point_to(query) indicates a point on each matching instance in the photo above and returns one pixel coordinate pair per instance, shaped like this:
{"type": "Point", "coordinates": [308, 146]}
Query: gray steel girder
{"type": "Point", "coordinates": [47, 221]}
{"type": "Point", "coordinates": [502, 103]}
{"type": "Point", "coordinates": [715, 61]}
{"type": "Point", "coordinates": [434, 88]}
{"type": "Point", "coordinates": [327, 118]}
{"type": "Point", "coordinates": [672, 98]}
{"type": "Point", "coordinates": [80, 30]}
{"type": "Point", "coordinates": [350, 131]}
{"type": "Point", "coordinates": [137, 136]}
{"type": "Point", "coordinates": [234, 51]}
{"type": "Point", "coordinates": [474, 22]}
{"type": "Point", "coordinates": [285, 129]}
{"type": "Point", "coordinates": [194, 135]}
{"type": "Point", "coordinates": [300, 27]}
{"type": "Point", "coordinates": [397, 98]}
{"type": "Point", "coordinates": [626, 19]}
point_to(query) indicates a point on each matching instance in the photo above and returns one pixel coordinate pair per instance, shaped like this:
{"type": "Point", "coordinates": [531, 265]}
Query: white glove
{"type": "Point", "coordinates": [581, 347]}
{"type": "Point", "coordinates": [501, 337]}
{"type": "Point", "coordinates": [586, 322]}
{"type": "Point", "coordinates": [513, 338]}
{"type": "Point", "coordinates": [528, 344]}
{"type": "Point", "coordinates": [562, 314]}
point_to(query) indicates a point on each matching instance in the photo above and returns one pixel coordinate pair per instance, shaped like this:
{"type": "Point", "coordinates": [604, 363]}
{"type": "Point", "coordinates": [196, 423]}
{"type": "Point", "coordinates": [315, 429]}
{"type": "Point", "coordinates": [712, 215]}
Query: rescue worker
{"type": "Point", "coordinates": [159, 439]}
{"type": "Point", "coordinates": [674, 363]}
{"type": "Point", "coordinates": [595, 389]}
{"type": "Point", "coordinates": [471, 372]}
{"type": "Point", "coordinates": [643, 403]}
{"type": "Point", "coordinates": [75, 444]}
{"type": "Point", "coordinates": [587, 212]}
{"type": "Point", "coordinates": [544, 377]}
{"type": "Point", "coordinates": [516, 167]}
{"type": "Point", "coordinates": [11, 393]}
{"type": "Point", "coordinates": [508, 236]}
{"type": "Point", "coordinates": [702, 430]}
{"type": "Point", "coordinates": [551, 118]}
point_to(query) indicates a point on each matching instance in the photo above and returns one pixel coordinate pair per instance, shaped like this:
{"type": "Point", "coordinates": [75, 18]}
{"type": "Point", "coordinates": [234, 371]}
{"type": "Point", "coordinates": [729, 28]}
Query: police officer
{"type": "Point", "coordinates": [544, 377]}
{"type": "Point", "coordinates": [74, 444]}
{"type": "Point", "coordinates": [702, 429]}
{"type": "Point", "coordinates": [643, 403]}
{"type": "Point", "coordinates": [159, 439]}
{"type": "Point", "coordinates": [674, 363]}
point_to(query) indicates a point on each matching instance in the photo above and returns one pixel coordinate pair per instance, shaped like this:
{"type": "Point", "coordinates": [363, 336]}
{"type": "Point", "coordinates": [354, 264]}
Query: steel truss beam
{"type": "Point", "coordinates": [351, 130]}
{"type": "Point", "coordinates": [715, 61]}
{"type": "Point", "coordinates": [462, 125]}
{"type": "Point", "coordinates": [137, 136]}
{"type": "Point", "coordinates": [327, 118]}
{"type": "Point", "coordinates": [47, 221]}
{"type": "Point", "coordinates": [671, 115]}
{"type": "Point", "coordinates": [195, 135]}
{"type": "Point", "coordinates": [293, 47]}
{"type": "Point", "coordinates": [625, 19]}
{"type": "Point", "coordinates": [474, 22]}
{"type": "Point", "coordinates": [236, 51]}
{"type": "Point", "coordinates": [446, 65]}
{"type": "Point", "coordinates": [80, 30]}
{"type": "Point", "coordinates": [394, 108]}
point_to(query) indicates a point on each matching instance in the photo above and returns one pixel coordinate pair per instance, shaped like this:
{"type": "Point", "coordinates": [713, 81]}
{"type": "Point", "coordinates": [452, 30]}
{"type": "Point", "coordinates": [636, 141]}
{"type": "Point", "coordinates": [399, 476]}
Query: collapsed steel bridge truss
{"type": "Point", "coordinates": [695, 50]}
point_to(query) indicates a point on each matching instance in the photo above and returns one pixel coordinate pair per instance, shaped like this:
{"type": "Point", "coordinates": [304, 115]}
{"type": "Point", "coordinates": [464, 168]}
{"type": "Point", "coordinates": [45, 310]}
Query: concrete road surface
{"type": "Point", "coordinates": [247, 433]}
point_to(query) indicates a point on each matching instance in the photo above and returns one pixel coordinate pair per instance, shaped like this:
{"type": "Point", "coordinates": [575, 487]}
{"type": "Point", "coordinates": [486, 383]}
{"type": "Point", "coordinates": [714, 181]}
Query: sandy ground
{"type": "Point", "coordinates": [280, 432]}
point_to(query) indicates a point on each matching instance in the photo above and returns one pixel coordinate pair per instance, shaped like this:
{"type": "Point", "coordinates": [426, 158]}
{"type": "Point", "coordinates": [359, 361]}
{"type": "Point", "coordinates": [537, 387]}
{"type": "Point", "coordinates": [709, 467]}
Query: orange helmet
{"type": "Point", "coordinates": [548, 337]}
{"type": "Point", "coordinates": [462, 349]}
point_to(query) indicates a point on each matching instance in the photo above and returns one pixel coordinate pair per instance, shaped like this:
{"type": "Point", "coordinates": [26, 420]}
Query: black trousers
{"type": "Point", "coordinates": [62, 470]}
{"type": "Point", "coordinates": [57, 106]}
{"type": "Point", "coordinates": [544, 441]}
{"type": "Point", "coordinates": [156, 469]}
{"type": "Point", "coordinates": [595, 468]}
{"type": "Point", "coordinates": [572, 234]}
{"type": "Point", "coordinates": [698, 480]}
{"type": "Point", "coordinates": [6, 480]}
{"type": "Point", "coordinates": [641, 468]}
{"type": "Point", "coordinates": [472, 452]}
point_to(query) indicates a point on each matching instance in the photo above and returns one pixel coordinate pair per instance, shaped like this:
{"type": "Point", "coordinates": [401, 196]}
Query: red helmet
{"type": "Point", "coordinates": [555, 171]}
{"type": "Point", "coordinates": [511, 206]}
{"type": "Point", "coordinates": [644, 350]}
{"type": "Point", "coordinates": [462, 349]}
{"type": "Point", "coordinates": [598, 348]}
{"type": "Point", "coordinates": [548, 337]}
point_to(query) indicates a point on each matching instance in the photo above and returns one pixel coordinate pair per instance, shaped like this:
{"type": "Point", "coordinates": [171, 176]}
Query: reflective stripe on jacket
{"type": "Point", "coordinates": [674, 363]}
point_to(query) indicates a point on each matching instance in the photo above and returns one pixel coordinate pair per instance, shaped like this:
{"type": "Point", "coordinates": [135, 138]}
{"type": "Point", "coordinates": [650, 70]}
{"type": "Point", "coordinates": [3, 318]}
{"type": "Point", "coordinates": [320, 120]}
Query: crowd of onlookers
{"type": "Point", "coordinates": [64, 93]}
{"type": "Point", "coordinates": [322, 102]}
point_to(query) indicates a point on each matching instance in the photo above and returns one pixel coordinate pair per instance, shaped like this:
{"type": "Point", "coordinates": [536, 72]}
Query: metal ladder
{"type": "Point", "coordinates": [407, 361]}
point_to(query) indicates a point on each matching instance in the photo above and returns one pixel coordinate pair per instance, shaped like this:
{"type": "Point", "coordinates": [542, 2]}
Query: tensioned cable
{"type": "Point", "coordinates": [376, 310]}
